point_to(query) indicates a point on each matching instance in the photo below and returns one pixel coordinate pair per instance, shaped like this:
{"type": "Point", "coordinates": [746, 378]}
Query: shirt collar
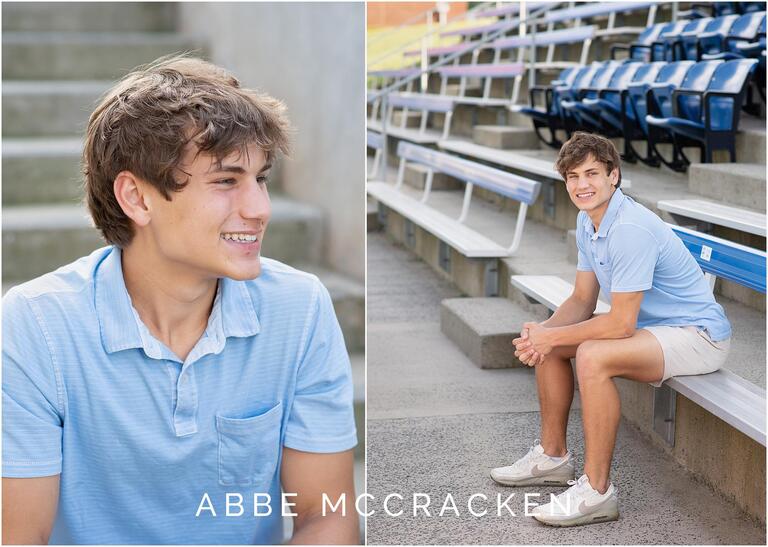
{"type": "Point", "coordinates": [614, 204]}
{"type": "Point", "coordinates": [233, 314]}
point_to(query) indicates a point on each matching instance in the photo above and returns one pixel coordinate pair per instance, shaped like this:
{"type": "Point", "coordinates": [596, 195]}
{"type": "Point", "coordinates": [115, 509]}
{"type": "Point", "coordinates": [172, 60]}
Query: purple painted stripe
{"type": "Point", "coordinates": [395, 72]}
{"type": "Point", "coordinates": [498, 70]}
{"type": "Point", "coordinates": [563, 36]}
{"type": "Point", "coordinates": [594, 9]}
{"type": "Point", "coordinates": [420, 102]}
{"type": "Point", "coordinates": [509, 9]}
{"type": "Point", "coordinates": [433, 51]}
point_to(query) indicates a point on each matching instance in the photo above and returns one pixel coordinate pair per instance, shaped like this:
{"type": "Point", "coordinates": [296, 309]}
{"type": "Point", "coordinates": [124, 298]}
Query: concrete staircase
{"type": "Point", "coordinates": [57, 60]}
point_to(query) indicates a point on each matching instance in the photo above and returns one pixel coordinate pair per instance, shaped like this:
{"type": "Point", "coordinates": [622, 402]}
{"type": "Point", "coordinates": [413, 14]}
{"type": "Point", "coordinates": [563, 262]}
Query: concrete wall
{"type": "Point", "coordinates": [312, 57]}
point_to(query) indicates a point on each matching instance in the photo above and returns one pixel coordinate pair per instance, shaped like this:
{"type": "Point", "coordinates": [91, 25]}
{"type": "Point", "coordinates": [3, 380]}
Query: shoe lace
{"type": "Point", "coordinates": [524, 460]}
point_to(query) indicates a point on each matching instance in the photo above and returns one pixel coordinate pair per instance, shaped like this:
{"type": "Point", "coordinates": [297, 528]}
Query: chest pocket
{"type": "Point", "coordinates": [249, 448]}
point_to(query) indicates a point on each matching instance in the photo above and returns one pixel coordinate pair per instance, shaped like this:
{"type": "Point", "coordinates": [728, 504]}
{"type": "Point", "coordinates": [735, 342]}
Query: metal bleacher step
{"type": "Point", "coordinates": [40, 238]}
{"type": "Point", "coordinates": [94, 16]}
{"type": "Point", "coordinates": [49, 108]}
{"type": "Point", "coordinates": [740, 184]}
{"type": "Point", "coordinates": [84, 55]}
{"type": "Point", "coordinates": [41, 170]}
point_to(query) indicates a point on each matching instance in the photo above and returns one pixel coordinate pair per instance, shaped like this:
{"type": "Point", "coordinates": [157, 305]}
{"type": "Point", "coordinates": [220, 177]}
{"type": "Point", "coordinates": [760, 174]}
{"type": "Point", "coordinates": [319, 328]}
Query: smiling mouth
{"type": "Point", "coordinates": [239, 237]}
{"type": "Point", "coordinates": [585, 195]}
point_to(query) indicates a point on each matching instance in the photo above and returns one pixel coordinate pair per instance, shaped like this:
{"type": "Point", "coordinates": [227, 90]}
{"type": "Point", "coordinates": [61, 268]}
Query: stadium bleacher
{"type": "Point", "coordinates": [680, 89]}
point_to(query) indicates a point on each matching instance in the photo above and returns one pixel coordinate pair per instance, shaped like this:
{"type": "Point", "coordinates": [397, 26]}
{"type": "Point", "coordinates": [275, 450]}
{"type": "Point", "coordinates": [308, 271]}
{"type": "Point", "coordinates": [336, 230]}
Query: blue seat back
{"type": "Point", "coordinates": [672, 74]}
{"type": "Point", "coordinates": [623, 75]}
{"type": "Point", "coordinates": [748, 26]}
{"type": "Point", "coordinates": [724, 8]}
{"type": "Point", "coordinates": [603, 76]}
{"type": "Point", "coordinates": [721, 258]}
{"type": "Point", "coordinates": [648, 72]}
{"type": "Point", "coordinates": [729, 77]}
{"type": "Point", "coordinates": [719, 25]}
{"type": "Point", "coordinates": [697, 79]}
{"type": "Point", "coordinates": [696, 26]}
{"type": "Point", "coordinates": [659, 50]}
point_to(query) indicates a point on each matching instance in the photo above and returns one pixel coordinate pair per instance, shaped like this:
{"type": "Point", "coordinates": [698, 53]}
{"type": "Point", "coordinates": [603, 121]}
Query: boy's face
{"type": "Point", "coordinates": [215, 226]}
{"type": "Point", "coordinates": [589, 186]}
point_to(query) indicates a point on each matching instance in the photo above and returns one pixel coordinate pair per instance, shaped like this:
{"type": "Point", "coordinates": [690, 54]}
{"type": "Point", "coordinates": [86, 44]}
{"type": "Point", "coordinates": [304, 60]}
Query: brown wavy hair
{"type": "Point", "coordinates": [580, 146]}
{"type": "Point", "coordinates": [144, 123]}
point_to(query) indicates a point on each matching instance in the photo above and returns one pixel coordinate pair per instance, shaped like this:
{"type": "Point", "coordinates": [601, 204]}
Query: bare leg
{"type": "Point", "coordinates": [554, 380]}
{"type": "Point", "coordinates": [638, 358]}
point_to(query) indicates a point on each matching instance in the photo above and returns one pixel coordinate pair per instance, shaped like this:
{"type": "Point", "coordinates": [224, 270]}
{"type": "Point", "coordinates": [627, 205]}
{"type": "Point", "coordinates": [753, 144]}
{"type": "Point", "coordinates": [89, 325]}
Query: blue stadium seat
{"type": "Point", "coordinates": [549, 115]}
{"type": "Point", "coordinates": [607, 109]}
{"type": "Point", "coordinates": [686, 46]}
{"type": "Point", "coordinates": [641, 49]}
{"type": "Point", "coordinates": [635, 106]}
{"type": "Point", "coordinates": [662, 49]}
{"type": "Point", "coordinates": [568, 97]}
{"type": "Point", "coordinates": [705, 110]}
{"type": "Point", "coordinates": [744, 30]}
{"type": "Point", "coordinates": [586, 110]}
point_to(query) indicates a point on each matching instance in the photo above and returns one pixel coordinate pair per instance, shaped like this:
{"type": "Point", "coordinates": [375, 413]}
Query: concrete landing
{"type": "Point", "coordinates": [437, 424]}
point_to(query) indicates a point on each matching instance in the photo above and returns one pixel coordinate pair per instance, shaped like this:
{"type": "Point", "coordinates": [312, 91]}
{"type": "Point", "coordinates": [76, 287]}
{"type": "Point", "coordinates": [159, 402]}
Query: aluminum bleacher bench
{"type": "Point", "coordinates": [734, 400]}
{"type": "Point", "coordinates": [597, 9]}
{"type": "Point", "coordinates": [376, 142]}
{"type": "Point", "coordinates": [710, 212]}
{"type": "Point", "coordinates": [453, 231]}
{"type": "Point", "coordinates": [423, 104]}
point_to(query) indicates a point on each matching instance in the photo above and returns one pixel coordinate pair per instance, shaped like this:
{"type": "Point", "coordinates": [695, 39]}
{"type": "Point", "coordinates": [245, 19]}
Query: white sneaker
{"type": "Point", "coordinates": [536, 468]}
{"type": "Point", "coordinates": [580, 504]}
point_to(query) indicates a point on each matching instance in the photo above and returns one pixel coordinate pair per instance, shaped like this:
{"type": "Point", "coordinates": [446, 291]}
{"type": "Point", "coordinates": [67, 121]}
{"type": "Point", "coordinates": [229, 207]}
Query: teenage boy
{"type": "Point", "coordinates": [163, 388]}
{"type": "Point", "coordinates": [663, 322]}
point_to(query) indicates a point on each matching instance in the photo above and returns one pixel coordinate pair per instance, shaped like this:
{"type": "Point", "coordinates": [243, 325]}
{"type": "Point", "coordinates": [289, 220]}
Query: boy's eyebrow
{"type": "Point", "coordinates": [217, 168]}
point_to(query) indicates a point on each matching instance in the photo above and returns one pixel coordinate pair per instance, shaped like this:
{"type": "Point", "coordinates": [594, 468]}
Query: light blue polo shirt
{"type": "Point", "coordinates": [634, 250]}
{"type": "Point", "coordinates": [140, 437]}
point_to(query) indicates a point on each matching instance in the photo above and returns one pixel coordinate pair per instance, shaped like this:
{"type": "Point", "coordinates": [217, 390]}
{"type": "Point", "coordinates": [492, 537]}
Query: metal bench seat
{"type": "Point", "coordinates": [453, 231]}
{"type": "Point", "coordinates": [711, 212]}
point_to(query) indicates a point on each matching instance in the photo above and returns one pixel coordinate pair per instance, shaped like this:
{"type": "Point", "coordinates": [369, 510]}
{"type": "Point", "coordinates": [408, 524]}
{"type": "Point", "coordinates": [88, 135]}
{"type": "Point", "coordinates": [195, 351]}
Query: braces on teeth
{"type": "Point", "coordinates": [239, 237]}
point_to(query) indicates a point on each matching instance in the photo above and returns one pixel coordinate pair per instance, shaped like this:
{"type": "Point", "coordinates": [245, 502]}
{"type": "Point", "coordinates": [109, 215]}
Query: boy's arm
{"type": "Point", "coordinates": [29, 509]}
{"type": "Point", "coordinates": [580, 305]}
{"type": "Point", "coordinates": [310, 475]}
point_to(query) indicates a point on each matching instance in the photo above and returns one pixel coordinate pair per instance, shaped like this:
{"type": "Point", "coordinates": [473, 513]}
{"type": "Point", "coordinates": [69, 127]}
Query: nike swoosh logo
{"type": "Point", "coordinates": [537, 472]}
{"type": "Point", "coordinates": [584, 508]}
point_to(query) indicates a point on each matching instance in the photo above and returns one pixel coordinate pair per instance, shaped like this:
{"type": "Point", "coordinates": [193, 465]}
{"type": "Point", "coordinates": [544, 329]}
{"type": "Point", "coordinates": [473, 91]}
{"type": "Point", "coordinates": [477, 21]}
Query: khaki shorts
{"type": "Point", "coordinates": [688, 350]}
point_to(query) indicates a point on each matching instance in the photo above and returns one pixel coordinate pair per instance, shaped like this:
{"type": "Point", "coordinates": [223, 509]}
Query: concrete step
{"type": "Point", "coordinates": [483, 328]}
{"type": "Point", "coordinates": [415, 175]}
{"type": "Point", "coordinates": [49, 108]}
{"type": "Point", "coordinates": [41, 170]}
{"type": "Point", "coordinates": [89, 16]}
{"type": "Point", "coordinates": [505, 137]}
{"type": "Point", "coordinates": [348, 297]}
{"type": "Point", "coordinates": [412, 119]}
{"type": "Point", "coordinates": [84, 56]}
{"type": "Point", "coordinates": [750, 140]}
{"type": "Point", "coordinates": [740, 184]}
{"type": "Point", "coordinates": [40, 238]}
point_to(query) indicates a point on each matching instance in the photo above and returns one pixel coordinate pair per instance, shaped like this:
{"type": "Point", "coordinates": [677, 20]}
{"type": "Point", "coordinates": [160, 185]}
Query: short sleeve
{"type": "Point", "coordinates": [633, 253]}
{"type": "Point", "coordinates": [32, 400]}
{"type": "Point", "coordinates": [583, 264]}
{"type": "Point", "coordinates": [322, 414]}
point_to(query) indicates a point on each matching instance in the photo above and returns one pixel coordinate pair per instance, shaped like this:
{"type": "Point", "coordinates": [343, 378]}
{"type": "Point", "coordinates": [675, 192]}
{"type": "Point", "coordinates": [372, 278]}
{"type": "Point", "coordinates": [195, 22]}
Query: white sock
{"type": "Point", "coordinates": [558, 459]}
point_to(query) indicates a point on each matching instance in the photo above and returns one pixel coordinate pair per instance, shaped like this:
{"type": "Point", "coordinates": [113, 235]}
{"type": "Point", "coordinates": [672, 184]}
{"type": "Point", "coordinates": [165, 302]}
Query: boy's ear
{"type": "Point", "coordinates": [133, 196]}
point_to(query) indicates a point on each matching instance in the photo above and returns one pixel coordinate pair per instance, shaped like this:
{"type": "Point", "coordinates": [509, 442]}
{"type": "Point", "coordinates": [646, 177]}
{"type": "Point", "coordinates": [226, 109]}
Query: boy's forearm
{"type": "Point", "coordinates": [570, 312]}
{"type": "Point", "coordinates": [600, 327]}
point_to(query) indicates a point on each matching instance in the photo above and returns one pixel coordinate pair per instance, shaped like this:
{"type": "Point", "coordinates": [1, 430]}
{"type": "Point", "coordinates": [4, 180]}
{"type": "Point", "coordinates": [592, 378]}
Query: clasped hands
{"type": "Point", "coordinates": [533, 345]}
